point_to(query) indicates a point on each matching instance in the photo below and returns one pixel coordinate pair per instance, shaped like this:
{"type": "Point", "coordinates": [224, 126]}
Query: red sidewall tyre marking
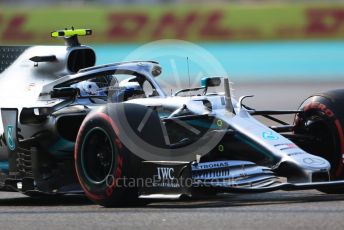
{"type": "Point", "coordinates": [329, 113]}
{"type": "Point", "coordinates": [118, 173]}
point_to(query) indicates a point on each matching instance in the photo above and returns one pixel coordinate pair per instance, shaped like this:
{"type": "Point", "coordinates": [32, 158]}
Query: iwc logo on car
{"type": "Point", "coordinates": [165, 173]}
{"type": "Point", "coordinates": [165, 178]}
{"type": "Point", "coordinates": [10, 138]}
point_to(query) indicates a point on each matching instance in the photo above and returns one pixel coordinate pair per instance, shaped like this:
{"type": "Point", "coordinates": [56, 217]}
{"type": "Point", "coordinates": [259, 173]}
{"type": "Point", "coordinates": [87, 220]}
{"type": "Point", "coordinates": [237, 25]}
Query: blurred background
{"type": "Point", "coordinates": [279, 50]}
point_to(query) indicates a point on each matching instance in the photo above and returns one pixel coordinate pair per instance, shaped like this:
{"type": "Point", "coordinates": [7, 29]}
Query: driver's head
{"type": "Point", "coordinates": [130, 90]}
{"type": "Point", "coordinates": [89, 88]}
{"type": "Point", "coordinates": [97, 86]}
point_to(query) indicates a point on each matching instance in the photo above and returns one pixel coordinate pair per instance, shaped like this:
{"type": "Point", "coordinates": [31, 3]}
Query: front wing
{"type": "Point", "coordinates": [175, 179]}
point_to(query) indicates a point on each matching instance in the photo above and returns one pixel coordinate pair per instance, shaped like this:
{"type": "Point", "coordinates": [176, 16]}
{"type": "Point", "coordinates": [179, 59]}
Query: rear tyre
{"type": "Point", "coordinates": [102, 161]}
{"type": "Point", "coordinates": [323, 118]}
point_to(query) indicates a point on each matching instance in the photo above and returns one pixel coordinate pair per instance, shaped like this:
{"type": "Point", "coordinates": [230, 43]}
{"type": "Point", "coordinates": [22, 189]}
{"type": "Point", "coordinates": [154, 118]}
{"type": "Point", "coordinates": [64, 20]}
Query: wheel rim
{"type": "Point", "coordinates": [323, 131]}
{"type": "Point", "coordinates": [97, 155]}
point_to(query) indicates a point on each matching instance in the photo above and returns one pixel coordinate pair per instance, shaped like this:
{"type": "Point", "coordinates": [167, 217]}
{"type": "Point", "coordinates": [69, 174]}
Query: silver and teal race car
{"type": "Point", "coordinates": [112, 133]}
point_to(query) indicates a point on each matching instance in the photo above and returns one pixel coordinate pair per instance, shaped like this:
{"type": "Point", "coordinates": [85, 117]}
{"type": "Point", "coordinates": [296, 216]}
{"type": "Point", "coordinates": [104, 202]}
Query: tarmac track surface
{"type": "Point", "coordinates": [277, 210]}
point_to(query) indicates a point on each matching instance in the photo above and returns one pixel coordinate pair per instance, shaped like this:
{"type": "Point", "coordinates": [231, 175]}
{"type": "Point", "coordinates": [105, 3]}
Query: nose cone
{"type": "Point", "coordinates": [311, 162]}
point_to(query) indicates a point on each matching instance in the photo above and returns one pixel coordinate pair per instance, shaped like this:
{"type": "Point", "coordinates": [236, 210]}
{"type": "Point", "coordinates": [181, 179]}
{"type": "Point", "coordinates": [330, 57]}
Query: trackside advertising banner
{"type": "Point", "coordinates": [193, 23]}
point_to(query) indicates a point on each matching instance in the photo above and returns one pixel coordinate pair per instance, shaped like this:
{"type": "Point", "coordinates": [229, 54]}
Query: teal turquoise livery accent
{"type": "Point", "coordinates": [62, 147]}
{"type": "Point", "coordinates": [268, 135]}
{"type": "Point", "coordinates": [3, 165]}
{"type": "Point", "coordinates": [204, 81]}
{"type": "Point", "coordinates": [10, 141]}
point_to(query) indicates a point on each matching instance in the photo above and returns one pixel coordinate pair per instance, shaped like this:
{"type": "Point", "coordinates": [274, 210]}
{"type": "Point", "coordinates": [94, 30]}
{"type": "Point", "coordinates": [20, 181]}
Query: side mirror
{"type": "Point", "coordinates": [210, 81]}
{"type": "Point", "coordinates": [64, 92]}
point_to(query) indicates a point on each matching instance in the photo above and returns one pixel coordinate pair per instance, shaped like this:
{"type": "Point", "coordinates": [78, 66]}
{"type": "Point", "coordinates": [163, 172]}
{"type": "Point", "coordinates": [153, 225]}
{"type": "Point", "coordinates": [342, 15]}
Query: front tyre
{"type": "Point", "coordinates": [102, 161]}
{"type": "Point", "coordinates": [323, 119]}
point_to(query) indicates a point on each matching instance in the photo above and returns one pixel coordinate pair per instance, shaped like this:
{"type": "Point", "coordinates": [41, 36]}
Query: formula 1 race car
{"type": "Point", "coordinates": [112, 133]}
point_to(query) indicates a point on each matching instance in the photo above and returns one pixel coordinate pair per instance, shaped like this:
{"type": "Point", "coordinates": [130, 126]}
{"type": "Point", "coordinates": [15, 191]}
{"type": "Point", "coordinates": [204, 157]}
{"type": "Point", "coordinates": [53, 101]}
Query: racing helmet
{"type": "Point", "coordinates": [95, 87]}
{"type": "Point", "coordinates": [89, 88]}
{"type": "Point", "coordinates": [128, 90]}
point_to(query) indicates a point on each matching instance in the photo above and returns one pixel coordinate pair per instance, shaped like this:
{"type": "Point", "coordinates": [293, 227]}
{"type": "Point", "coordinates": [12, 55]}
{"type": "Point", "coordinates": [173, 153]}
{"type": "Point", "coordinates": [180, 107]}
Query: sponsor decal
{"type": "Point", "coordinates": [269, 135]}
{"type": "Point", "coordinates": [10, 138]}
{"type": "Point", "coordinates": [294, 154]}
{"type": "Point", "coordinates": [218, 174]}
{"type": "Point", "coordinates": [221, 23]}
{"type": "Point", "coordinates": [285, 146]}
{"type": "Point", "coordinates": [165, 179]}
{"type": "Point", "coordinates": [221, 148]}
{"type": "Point", "coordinates": [212, 165]}
{"type": "Point", "coordinates": [314, 161]}
{"type": "Point", "coordinates": [164, 173]}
